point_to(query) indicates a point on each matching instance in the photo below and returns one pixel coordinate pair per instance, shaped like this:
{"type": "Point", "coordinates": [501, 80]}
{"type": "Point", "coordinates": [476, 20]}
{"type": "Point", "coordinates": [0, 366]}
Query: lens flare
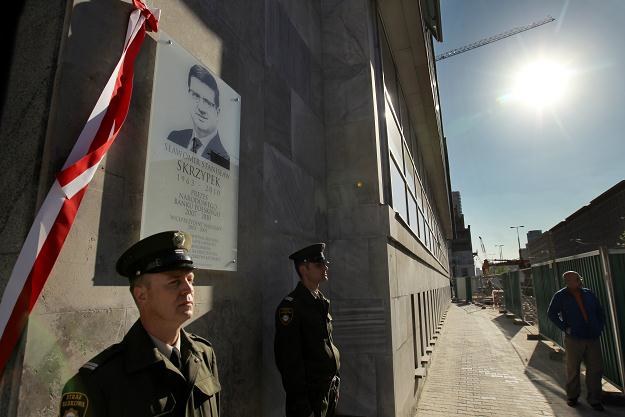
{"type": "Point", "coordinates": [541, 84]}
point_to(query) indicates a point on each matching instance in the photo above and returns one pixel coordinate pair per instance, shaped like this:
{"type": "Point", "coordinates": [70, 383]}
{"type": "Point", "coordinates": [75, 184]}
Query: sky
{"type": "Point", "coordinates": [520, 160]}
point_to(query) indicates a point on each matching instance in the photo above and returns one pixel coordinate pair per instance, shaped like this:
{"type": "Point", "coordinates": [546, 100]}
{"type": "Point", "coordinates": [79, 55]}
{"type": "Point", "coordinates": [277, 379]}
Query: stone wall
{"type": "Point", "coordinates": [419, 296]}
{"type": "Point", "coordinates": [270, 53]}
{"type": "Point", "coordinates": [310, 171]}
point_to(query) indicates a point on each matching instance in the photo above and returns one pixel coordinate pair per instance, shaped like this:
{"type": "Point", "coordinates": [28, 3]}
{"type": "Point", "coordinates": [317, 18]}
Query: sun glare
{"type": "Point", "coordinates": [541, 84]}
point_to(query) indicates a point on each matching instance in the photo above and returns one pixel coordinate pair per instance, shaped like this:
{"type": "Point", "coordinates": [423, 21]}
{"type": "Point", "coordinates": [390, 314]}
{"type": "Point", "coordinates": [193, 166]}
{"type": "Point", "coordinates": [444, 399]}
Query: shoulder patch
{"type": "Point", "coordinates": [285, 315]}
{"type": "Point", "coordinates": [74, 404]}
{"type": "Point", "coordinates": [102, 357]}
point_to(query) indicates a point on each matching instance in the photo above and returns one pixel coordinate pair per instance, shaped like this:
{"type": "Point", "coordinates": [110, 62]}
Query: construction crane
{"type": "Point", "coordinates": [486, 264]}
{"type": "Point", "coordinates": [500, 251]}
{"type": "Point", "coordinates": [483, 248]}
{"type": "Point", "coordinates": [492, 39]}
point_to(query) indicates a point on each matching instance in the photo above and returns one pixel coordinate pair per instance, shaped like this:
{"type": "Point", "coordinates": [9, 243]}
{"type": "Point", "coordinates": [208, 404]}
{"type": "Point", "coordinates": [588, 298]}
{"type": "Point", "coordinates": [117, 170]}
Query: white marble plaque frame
{"type": "Point", "coordinates": [195, 192]}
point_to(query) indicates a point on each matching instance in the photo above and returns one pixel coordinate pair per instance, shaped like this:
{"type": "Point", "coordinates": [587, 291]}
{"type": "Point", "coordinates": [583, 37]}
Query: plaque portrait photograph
{"type": "Point", "coordinates": [192, 167]}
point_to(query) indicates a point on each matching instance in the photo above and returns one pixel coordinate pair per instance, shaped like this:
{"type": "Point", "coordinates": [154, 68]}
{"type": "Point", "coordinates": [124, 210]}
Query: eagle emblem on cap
{"type": "Point", "coordinates": [178, 239]}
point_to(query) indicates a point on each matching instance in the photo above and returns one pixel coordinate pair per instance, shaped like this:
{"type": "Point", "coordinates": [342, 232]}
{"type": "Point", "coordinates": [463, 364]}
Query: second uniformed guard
{"type": "Point", "coordinates": [304, 350]}
{"type": "Point", "coordinates": [158, 368]}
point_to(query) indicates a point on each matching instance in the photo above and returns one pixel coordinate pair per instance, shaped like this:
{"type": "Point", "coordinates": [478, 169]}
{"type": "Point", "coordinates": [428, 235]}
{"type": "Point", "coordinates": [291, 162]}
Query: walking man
{"type": "Point", "coordinates": [158, 368]}
{"type": "Point", "coordinates": [304, 351]}
{"type": "Point", "coordinates": [578, 313]}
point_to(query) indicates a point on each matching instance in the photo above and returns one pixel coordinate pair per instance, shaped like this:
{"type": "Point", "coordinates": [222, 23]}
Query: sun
{"type": "Point", "coordinates": [542, 84]}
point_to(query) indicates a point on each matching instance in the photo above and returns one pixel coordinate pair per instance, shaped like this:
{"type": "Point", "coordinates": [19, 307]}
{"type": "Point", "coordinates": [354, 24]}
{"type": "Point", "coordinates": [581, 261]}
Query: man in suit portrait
{"type": "Point", "coordinates": [203, 139]}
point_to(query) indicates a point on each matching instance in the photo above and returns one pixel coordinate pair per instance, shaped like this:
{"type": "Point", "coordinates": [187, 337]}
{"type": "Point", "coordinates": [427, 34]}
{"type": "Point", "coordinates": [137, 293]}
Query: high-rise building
{"type": "Point", "coordinates": [533, 235]}
{"type": "Point", "coordinates": [462, 263]}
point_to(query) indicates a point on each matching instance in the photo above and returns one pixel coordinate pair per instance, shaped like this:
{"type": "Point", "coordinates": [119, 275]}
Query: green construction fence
{"type": "Point", "coordinates": [603, 273]}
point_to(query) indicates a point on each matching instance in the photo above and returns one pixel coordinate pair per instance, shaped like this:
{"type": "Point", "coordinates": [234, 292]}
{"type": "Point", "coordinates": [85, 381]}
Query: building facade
{"type": "Point", "coordinates": [533, 234]}
{"type": "Point", "coordinates": [599, 223]}
{"type": "Point", "coordinates": [462, 263]}
{"type": "Point", "coordinates": [341, 141]}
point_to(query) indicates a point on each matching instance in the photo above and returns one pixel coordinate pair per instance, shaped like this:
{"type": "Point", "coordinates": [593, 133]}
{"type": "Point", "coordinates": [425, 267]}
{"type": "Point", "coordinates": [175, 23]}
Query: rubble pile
{"type": "Point", "coordinates": [497, 297]}
{"type": "Point", "coordinates": [528, 304]}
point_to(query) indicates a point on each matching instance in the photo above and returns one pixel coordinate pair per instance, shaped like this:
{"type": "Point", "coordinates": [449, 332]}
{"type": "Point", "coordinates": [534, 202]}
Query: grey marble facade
{"type": "Point", "coordinates": [310, 171]}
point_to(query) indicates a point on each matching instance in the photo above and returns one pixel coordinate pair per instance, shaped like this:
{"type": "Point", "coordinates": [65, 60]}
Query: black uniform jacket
{"type": "Point", "coordinates": [303, 347]}
{"type": "Point", "coordinates": [132, 378]}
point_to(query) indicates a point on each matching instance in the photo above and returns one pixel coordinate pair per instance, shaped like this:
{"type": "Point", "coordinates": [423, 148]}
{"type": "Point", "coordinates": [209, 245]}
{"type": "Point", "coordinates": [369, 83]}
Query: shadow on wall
{"type": "Point", "coordinates": [122, 187]}
{"type": "Point", "coordinates": [227, 302]}
{"type": "Point", "coordinates": [230, 317]}
{"type": "Point", "coordinates": [90, 53]}
{"type": "Point", "coordinates": [11, 30]}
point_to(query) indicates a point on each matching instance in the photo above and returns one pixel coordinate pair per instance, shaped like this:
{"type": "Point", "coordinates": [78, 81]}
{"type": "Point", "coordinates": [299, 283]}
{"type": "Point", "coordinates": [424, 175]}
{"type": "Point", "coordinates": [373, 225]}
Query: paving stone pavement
{"type": "Point", "coordinates": [483, 365]}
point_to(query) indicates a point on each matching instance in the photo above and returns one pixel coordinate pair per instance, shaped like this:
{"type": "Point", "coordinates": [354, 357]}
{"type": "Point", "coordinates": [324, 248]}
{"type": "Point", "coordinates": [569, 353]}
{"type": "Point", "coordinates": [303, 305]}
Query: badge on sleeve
{"type": "Point", "coordinates": [286, 315]}
{"type": "Point", "coordinates": [74, 404]}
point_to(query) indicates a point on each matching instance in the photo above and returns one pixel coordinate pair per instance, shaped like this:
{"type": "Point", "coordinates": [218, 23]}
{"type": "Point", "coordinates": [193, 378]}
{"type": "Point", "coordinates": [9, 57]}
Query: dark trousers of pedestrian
{"type": "Point", "coordinates": [588, 351]}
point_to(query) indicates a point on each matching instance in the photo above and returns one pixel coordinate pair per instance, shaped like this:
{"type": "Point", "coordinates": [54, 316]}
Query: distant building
{"type": "Point", "coordinates": [600, 223]}
{"type": "Point", "coordinates": [533, 235]}
{"type": "Point", "coordinates": [524, 253]}
{"type": "Point", "coordinates": [462, 264]}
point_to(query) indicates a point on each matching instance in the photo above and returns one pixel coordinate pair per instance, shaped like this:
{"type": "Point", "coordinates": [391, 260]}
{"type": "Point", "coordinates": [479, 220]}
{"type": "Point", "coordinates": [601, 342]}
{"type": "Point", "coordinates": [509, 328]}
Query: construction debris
{"type": "Point", "coordinates": [497, 297]}
{"type": "Point", "coordinates": [528, 304]}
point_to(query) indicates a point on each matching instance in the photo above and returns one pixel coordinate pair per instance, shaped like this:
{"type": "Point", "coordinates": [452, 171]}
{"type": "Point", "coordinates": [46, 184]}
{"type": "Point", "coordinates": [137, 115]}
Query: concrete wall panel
{"type": "Point", "coordinates": [309, 172]}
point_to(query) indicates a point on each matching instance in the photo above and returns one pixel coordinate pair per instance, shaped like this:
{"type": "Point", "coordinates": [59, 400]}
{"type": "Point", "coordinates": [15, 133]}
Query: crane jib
{"type": "Point", "coordinates": [492, 39]}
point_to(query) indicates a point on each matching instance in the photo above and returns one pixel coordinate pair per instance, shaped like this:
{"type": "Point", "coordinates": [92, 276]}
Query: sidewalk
{"type": "Point", "coordinates": [483, 365]}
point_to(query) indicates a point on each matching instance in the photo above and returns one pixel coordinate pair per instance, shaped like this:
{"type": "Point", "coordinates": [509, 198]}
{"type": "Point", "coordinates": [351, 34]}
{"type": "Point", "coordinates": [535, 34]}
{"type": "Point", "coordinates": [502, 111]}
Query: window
{"type": "Point", "coordinates": [399, 191]}
{"type": "Point", "coordinates": [412, 214]}
{"type": "Point", "coordinates": [409, 170]}
{"type": "Point", "coordinates": [409, 185]}
{"type": "Point", "coordinates": [403, 113]}
{"type": "Point", "coordinates": [394, 136]}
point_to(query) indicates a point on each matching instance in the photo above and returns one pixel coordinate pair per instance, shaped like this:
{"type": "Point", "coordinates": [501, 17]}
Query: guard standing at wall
{"type": "Point", "coordinates": [578, 313]}
{"type": "Point", "coordinates": [304, 351]}
{"type": "Point", "coordinates": [158, 368]}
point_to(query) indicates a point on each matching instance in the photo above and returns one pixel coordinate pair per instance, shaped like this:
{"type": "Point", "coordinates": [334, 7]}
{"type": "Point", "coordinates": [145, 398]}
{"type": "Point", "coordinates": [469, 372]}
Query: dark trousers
{"type": "Point", "coordinates": [589, 351]}
{"type": "Point", "coordinates": [324, 401]}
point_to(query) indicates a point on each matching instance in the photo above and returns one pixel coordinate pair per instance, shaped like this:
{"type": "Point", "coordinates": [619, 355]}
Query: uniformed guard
{"type": "Point", "coordinates": [158, 368]}
{"type": "Point", "coordinates": [304, 350]}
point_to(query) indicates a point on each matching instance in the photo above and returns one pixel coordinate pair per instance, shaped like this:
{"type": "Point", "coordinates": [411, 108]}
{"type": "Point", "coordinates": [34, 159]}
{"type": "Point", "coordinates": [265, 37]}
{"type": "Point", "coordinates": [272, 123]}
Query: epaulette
{"type": "Point", "coordinates": [102, 357]}
{"type": "Point", "coordinates": [200, 339]}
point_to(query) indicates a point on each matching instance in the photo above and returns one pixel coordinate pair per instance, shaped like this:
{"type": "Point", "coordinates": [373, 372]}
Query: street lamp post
{"type": "Point", "coordinates": [500, 252]}
{"type": "Point", "coordinates": [517, 238]}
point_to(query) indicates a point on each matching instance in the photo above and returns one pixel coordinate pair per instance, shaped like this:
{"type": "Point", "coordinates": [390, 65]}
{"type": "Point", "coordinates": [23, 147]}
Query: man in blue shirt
{"type": "Point", "coordinates": [578, 313]}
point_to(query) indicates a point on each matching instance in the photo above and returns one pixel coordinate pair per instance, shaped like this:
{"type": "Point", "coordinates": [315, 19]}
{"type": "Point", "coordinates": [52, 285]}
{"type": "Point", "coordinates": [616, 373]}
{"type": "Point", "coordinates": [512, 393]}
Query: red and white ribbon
{"type": "Point", "coordinates": [56, 215]}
